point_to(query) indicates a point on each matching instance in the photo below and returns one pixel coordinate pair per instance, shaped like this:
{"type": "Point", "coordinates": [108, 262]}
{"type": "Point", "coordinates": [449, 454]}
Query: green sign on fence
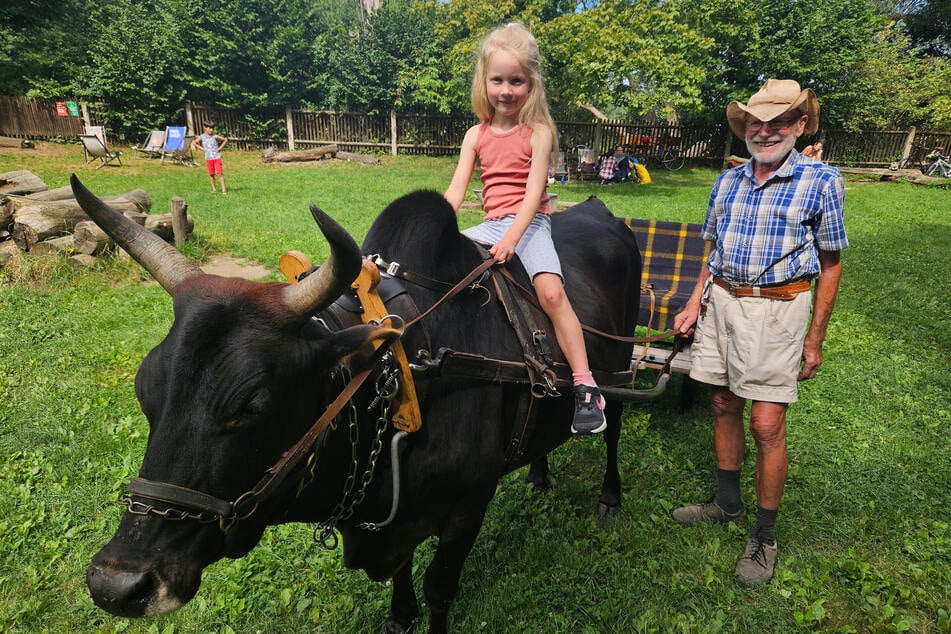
{"type": "Point", "coordinates": [73, 108]}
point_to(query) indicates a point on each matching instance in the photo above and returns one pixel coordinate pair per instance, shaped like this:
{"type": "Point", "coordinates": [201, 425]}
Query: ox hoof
{"type": "Point", "coordinates": [395, 627]}
{"type": "Point", "coordinates": [607, 511]}
{"type": "Point", "coordinates": [541, 485]}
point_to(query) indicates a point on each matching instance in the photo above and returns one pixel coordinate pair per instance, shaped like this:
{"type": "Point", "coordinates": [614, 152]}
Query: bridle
{"type": "Point", "coordinates": [208, 508]}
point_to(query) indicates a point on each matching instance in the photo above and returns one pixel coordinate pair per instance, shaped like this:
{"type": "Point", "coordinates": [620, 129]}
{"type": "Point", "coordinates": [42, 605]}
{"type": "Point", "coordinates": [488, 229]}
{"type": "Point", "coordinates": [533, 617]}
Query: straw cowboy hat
{"type": "Point", "coordinates": [777, 96]}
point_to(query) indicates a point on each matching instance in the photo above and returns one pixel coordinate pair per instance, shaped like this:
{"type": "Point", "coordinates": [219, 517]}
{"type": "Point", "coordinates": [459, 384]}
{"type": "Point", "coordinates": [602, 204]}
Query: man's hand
{"type": "Point", "coordinates": [685, 320]}
{"type": "Point", "coordinates": [811, 359]}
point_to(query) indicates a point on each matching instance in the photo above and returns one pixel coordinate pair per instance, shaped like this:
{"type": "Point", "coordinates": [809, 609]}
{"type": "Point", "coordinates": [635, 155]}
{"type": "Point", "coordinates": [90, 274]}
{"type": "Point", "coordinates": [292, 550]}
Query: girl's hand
{"type": "Point", "coordinates": [502, 251]}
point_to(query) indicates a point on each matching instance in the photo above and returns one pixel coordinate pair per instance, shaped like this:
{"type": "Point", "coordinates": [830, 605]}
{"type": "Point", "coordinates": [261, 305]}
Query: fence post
{"type": "Point", "coordinates": [727, 147]}
{"type": "Point", "coordinates": [85, 110]}
{"type": "Point", "coordinates": [909, 140]}
{"type": "Point", "coordinates": [393, 132]}
{"type": "Point", "coordinates": [289, 118]}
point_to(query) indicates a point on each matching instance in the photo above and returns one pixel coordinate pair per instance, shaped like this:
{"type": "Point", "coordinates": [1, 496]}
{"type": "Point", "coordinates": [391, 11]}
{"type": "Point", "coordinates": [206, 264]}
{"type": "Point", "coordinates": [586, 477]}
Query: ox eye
{"type": "Point", "coordinates": [252, 413]}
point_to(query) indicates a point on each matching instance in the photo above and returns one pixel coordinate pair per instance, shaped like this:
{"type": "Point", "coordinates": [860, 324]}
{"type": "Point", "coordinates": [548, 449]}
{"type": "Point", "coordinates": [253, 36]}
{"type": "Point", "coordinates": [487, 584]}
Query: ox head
{"type": "Point", "coordinates": [235, 383]}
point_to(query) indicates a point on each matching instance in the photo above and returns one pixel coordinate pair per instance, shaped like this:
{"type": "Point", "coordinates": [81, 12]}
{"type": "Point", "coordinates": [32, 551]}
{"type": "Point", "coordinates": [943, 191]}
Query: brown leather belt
{"type": "Point", "coordinates": [783, 292]}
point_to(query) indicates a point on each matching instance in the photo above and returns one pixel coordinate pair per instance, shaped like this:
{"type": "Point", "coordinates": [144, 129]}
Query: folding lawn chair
{"type": "Point", "coordinates": [152, 147]}
{"type": "Point", "coordinates": [95, 150]}
{"type": "Point", "coordinates": [178, 146]}
{"type": "Point", "coordinates": [99, 131]}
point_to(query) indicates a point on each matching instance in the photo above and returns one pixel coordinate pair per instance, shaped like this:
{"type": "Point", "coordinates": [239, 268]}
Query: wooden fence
{"type": "Point", "coordinates": [294, 128]}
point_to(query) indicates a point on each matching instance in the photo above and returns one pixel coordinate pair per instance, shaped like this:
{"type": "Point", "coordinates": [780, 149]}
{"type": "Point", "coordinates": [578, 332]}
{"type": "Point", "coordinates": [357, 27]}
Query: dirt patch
{"type": "Point", "coordinates": [228, 266]}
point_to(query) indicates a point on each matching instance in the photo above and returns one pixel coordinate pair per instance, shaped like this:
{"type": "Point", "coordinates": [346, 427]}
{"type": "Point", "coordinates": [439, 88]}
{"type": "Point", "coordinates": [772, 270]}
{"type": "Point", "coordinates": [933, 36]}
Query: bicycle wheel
{"type": "Point", "coordinates": [672, 159]}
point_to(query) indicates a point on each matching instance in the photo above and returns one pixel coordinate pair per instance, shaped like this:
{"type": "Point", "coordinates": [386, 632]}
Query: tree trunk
{"type": "Point", "coordinates": [366, 159]}
{"type": "Point", "coordinates": [8, 141]}
{"type": "Point", "coordinates": [21, 182]}
{"type": "Point", "coordinates": [60, 193]}
{"type": "Point", "coordinates": [271, 155]}
{"type": "Point", "coordinates": [135, 200]}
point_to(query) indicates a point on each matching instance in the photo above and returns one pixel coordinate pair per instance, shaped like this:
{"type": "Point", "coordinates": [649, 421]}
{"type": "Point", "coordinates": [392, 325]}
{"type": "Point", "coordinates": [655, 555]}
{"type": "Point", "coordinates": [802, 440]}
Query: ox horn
{"type": "Point", "coordinates": [166, 264]}
{"type": "Point", "coordinates": [319, 289]}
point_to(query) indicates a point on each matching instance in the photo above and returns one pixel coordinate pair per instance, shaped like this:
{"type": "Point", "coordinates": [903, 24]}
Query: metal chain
{"type": "Point", "coordinates": [387, 387]}
{"type": "Point", "coordinates": [171, 513]}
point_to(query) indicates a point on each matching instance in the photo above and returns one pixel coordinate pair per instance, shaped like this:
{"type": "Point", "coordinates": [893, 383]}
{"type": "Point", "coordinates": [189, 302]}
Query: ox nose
{"type": "Point", "coordinates": [121, 593]}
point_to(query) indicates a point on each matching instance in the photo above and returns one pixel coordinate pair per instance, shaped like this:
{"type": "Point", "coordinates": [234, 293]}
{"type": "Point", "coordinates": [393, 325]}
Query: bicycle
{"type": "Point", "coordinates": [940, 164]}
{"type": "Point", "coordinates": [916, 159]}
{"type": "Point", "coordinates": [669, 156]}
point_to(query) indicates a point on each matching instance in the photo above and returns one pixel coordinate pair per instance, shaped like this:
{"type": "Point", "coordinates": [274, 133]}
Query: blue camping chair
{"type": "Point", "coordinates": [178, 146]}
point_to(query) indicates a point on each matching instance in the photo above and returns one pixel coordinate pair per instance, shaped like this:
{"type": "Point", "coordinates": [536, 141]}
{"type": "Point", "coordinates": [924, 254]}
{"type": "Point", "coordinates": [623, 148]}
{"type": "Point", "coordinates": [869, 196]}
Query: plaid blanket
{"type": "Point", "coordinates": [673, 254]}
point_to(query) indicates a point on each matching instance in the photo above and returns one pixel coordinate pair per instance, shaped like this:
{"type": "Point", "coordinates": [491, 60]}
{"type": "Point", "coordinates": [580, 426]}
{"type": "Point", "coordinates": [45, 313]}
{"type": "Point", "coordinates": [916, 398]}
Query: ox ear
{"type": "Point", "coordinates": [355, 345]}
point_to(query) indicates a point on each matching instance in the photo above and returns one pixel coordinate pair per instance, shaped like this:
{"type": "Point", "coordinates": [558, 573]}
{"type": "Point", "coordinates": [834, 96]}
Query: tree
{"type": "Point", "coordinates": [40, 44]}
{"type": "Point", "coordinates": [628, 57]}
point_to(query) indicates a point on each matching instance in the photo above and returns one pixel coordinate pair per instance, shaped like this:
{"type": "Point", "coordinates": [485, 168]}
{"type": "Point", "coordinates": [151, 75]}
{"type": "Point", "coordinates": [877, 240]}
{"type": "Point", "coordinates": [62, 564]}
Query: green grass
{"type": "Point", "coordinates": [864, 529]}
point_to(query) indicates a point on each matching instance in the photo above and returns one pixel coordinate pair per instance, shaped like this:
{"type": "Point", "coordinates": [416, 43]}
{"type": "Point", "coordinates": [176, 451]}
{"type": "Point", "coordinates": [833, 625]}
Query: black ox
{"type": "Point", "coordinates": [246, 369]}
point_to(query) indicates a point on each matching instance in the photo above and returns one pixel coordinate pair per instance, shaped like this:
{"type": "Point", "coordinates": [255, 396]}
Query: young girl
{"type": "Point", "coordinates": [513, 143]}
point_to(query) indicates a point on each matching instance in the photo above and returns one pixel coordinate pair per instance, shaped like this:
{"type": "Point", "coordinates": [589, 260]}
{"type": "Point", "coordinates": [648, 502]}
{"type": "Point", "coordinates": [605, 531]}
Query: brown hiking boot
{"type": "Point", "coordinates": [758, 562]}
{"type": "Point", "coordinates": [705, 512]}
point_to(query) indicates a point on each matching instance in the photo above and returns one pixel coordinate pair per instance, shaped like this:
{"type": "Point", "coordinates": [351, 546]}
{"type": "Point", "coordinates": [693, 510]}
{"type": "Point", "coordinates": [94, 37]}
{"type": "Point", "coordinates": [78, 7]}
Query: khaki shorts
{"type": "Point", "coordinates": [752, 345]}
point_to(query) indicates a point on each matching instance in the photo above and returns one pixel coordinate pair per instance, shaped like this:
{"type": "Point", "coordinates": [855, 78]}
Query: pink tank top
{"type": "Point", "coordinates": [506, 160]}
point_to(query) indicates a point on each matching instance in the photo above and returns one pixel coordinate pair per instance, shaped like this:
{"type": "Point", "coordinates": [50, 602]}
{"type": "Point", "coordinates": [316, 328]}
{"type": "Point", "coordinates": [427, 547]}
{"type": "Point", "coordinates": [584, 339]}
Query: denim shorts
{"type": "Point", "coordinates": [536, 249]}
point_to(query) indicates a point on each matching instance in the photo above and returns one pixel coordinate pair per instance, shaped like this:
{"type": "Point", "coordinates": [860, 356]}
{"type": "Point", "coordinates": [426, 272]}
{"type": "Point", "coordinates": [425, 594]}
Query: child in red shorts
{"type": "Point", "coordinates": [212, 143]}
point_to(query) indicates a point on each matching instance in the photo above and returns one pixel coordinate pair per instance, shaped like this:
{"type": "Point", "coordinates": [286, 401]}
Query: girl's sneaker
{"type": "Point", "coordinates": [589, 411]}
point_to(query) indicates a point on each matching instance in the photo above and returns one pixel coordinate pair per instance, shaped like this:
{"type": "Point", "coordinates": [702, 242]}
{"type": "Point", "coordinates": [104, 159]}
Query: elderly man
{"type": "Point", "coordinates": [776, 227]}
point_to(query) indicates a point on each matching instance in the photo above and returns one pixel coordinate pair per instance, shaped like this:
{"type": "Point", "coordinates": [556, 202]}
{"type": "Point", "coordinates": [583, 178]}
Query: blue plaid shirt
{"type": "Point", "coordinates": [771, 233]}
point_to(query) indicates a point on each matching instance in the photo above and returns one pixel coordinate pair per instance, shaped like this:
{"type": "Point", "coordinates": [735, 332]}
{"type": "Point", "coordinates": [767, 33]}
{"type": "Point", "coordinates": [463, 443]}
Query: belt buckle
{"type": "Point", "coordinates": [755, 291]}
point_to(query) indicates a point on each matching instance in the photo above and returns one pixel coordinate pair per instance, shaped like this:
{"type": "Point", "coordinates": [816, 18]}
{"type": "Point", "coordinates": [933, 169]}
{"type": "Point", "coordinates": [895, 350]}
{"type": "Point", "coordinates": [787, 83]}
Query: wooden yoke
{"type": "Point", "coordinates": [406, 416]}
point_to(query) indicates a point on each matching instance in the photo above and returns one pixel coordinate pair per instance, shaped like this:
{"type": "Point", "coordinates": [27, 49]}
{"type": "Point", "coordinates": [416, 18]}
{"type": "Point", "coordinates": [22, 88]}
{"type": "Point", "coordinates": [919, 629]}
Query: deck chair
{"type": "Point", "coordinates": [95, 150]}
{"type": "Point", "coordinates": [178, 146]}
{"type": "Point", "coordinates": [99, 131]}
{"type": "Point", "coordinates": [152, 146]}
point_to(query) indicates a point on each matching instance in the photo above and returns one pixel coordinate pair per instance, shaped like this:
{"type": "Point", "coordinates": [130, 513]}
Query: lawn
{"type": "Point", "coordinates": [864, 535]}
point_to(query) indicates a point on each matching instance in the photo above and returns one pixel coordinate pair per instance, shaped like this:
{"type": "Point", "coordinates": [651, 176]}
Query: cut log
{"type": "Point", "coordinates": [9, 141]}
{"type": "Point", "coordinates": [43, 220]}
{"type": "Point", "coordinates": [271, 155]}
{"type": "Point", "coordinates": [8, 249]}
{"type": "Point", "coordinates": [161, 225]}
{"type": "Point", "coordinates": [53, 245]}
{"type": "Point", "coordinates": [60, 193]}
{"type": "Point", "coordinates": [135, 200]}
{"type": "Point", "coordinates": [21, 182]}
{"type": "Point", "coordinates": [89, 239]}
{"type": "Point", "coordinates": [366, 159]}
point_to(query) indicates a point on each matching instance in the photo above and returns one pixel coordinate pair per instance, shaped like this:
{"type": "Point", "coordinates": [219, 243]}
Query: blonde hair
{"type": "Point", "coordinates": [515, 39]}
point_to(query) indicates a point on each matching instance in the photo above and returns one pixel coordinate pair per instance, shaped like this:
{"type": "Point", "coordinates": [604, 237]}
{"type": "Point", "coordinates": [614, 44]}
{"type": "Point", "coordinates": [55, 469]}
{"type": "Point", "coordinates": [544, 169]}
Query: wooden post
{"type": "Point", "coordinates": [179, 220]}
{"type": "Point", "coordinates": [393, 132]}
{"type": "Point", "coordinates": [289, 118]}
{"type": "Point", "coordinates": [909, 140]}
{"type": "Point", "coordinates": [85, 110]}
{"type": "Point", "coordinates": [727, 148]}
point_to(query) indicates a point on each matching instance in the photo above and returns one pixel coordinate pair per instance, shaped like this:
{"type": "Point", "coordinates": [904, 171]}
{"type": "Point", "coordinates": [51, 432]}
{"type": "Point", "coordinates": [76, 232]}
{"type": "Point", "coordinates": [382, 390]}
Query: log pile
{"type": "Point", "coordinates": [45, 220]}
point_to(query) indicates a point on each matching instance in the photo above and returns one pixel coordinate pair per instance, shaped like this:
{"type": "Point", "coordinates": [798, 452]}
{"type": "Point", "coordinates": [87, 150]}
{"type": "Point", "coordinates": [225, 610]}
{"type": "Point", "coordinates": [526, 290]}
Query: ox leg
{"type": "Point", "coordinates": [442, 576]}
{"type": "Point", "coordinates": [404, 608]}
{"type": "Point", "coordinates": [539, 476]}
{"type": "Point", "coordinates": [610, 501]}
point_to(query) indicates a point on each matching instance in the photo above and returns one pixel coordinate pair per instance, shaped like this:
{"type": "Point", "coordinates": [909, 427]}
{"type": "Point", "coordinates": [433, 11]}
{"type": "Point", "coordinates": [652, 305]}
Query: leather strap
{"type": "Point", "coordinates": [783, 292]}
